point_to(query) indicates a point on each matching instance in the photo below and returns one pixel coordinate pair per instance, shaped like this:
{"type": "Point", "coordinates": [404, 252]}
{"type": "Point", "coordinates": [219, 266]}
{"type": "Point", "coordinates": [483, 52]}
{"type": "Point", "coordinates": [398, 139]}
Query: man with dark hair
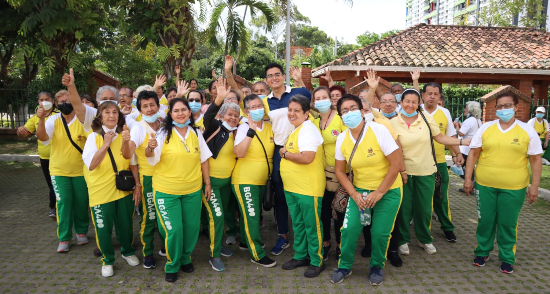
{"type": "Point", "coordinates": [276, 107]}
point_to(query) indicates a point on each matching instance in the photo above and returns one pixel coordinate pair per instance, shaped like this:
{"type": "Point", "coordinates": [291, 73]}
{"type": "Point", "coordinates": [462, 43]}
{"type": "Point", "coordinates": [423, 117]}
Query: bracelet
{"type": "Point", "coordinates": [250, 133]}
{"type": "Point", "coordinates": [229, 76]}
{"type": "Point", "coordinates": [460, 142]}
{"type": "Point", "coordinates": [453, 156]}
{"type": "Point", "coordinates": [138, 184]}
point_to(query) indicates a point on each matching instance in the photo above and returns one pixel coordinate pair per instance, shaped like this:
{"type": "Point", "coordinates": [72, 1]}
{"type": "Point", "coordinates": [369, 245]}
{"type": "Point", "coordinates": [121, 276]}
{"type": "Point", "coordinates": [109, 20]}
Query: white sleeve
{"type": "Point", "coordinates": [385, 140]}
{"type": "Point", "coordinates": [49, 125]}
{"type": "Point", "coordinates": [137, 135]}
{"type": "Point", "coordinates": [477, 141]}
{"type": "Point", "coordinates": [241, 133]}
{"type": "Point", "coordinates": [130, 121]}
{"type": "Point", "coordinates": [451, 131]}
{"type": "Point", "coordinates": [88, 118]}
{"type": "Point", "coordinates": [309, 138]}
{"type": "Point", "coordinates": [339, 140]}
{"type": "Point", "coordinates": [535, 147]}
{"type": "Point", "coordinates": [531, 122]}
{"type": "Point", "coordinates": [133, 115]}
{"type": "Point", "coordinates": [134, 160]}
{"type": "Point", "coordinates": [205, 151]}
{"type": "Point", "coordinates": [467, 125]}
{"type": "Point", "coordinates": [161, 136]}
{"type": "Point", "coordinates": [90, 149]}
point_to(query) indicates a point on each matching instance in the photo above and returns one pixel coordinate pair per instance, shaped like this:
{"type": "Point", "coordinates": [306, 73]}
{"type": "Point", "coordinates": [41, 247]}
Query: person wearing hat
{"type": "Point", "coordinates": [540, 124]}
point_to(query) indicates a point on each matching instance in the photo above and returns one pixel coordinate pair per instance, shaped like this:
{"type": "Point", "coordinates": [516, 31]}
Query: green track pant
{"type": "Point", "coordinates": [230, 207]}
{"type": "Point", "coordinates": [305, 212]}
{"type": "Point", "coordinates": [417, 202]}
{"type": "Point", "coordinates": [118, 213]}
{"type": "Point", "coordinates": [71, 195]}
{"type": "Point", "coordinates": [148, 213]}
{"type": "Point", "coordinates": [179, 224]}
{"type": "Point", "coordinates": [498, 213]}
{"type": "Point", "coordinates": [249, 198]}
{"type": "Point", "coordinates": [383, 218]}
{"type": "Point", "coordinates": [215, 213]}
{"type": "Point", "coordinates": [442, 208]}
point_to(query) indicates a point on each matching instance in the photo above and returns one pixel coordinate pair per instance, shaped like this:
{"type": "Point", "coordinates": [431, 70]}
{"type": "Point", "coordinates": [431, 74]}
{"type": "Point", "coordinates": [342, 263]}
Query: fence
{"type": "Point", "coordinates": [14, 107]}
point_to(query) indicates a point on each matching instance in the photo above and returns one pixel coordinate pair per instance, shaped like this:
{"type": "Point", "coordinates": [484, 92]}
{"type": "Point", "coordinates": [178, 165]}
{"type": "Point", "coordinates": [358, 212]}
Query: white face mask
{"type": "Point", "coordinates": [47, 105]}
{"type": "Point", "coordinates": [369, 116]}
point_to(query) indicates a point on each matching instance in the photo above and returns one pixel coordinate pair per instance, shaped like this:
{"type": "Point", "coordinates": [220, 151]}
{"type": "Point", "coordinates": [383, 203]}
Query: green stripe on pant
{"type": "Point", "coordinates": [418, 203]}
{"type": "Point", "coordinates": [498, 213]}
{"type": "Point", "coordinates": [249, 199]}
{"type": "Point", "coordinates": [384, 214]}
{"type": "Point", "coordinates": [216, 213]}
{"type": "Point", "coordinates": [148, 213]}
{"type": "Point", "coordinates": [441, 205]}
{"type": "Point", "coordinates": [305, 212]}
{"type": "Point", "coordinates": [179, 224]}
{"type": "Point", "coordinates": [71, 195]}
{"type": "Point", "coordinates": [118, 213]}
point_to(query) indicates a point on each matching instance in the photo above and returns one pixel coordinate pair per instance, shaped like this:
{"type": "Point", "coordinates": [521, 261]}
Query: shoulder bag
{"type": "Point", "coordinates": [69, 134]}
{"type": "Point", "coordinates": [124, 179]}
{"type": "Point", "coordinates": [341, 198]}
{"type": "Point", "coordinates": [437, 174]}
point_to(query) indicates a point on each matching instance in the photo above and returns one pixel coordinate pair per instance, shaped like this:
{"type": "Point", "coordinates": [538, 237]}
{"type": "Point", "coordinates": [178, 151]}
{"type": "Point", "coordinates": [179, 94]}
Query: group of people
{"type": "Point", "coordinates": [326, 156]}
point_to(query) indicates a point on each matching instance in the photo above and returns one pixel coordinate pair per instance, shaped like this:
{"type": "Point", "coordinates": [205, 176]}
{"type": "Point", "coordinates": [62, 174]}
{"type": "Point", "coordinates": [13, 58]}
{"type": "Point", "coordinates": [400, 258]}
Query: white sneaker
{"type": "Point", "coordinates": [132, 260]}
{"type": "Point", "coordinates": [429, 248]}
{"type": "Point", "coordinates": [230, 240]}
{"type": "Point", "coordinates": [107, 271]}
{"type": "Point", "coordinates": [404, 249]}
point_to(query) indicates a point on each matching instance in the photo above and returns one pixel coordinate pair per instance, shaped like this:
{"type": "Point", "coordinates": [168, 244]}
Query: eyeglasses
{"type": "Point", "coordinates": [277, 75]}
{"type": "Point", "coordinates": [345, 110]}
{"type": "Point", "coordinates": [229, 99]}
{"type": "Point", "coordinates": [254, 107]}
{"type": "Point", "coordinates": [194, 100]}
{"type": "Point", "coordinates": [504, 106]}
{"type": "Point", "coordinates": [186, 147]}
{"type": "Point", "coordinates": [387, 102]}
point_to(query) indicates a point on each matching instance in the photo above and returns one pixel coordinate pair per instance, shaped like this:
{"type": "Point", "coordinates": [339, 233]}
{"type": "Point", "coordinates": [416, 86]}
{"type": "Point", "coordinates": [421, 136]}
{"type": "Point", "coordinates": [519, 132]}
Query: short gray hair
{"type": "Point", "coordinates": [106, 88]}
{"type": "Point", "coordinates": [227, 106]}
{"type": "Point", "coordinates": [474, 109]}
{"type": "Point", "coordinates": [388, 93]}
{"type": "Point", "coordinates": [366, 102]}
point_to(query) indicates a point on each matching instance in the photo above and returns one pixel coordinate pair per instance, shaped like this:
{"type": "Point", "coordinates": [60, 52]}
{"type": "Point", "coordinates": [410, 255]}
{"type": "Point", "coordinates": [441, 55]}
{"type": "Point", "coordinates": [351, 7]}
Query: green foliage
{"type": "Point", "coordinates": [501, 13]}
{"type": "Point", "coordinates": [308, 36]}
{"type": "Point", "coordinates": [253, 65]}
{"type": "Point", "coordinates": [464, 92]}
{"type": "Point", "coordinates": [320, 55]}
{"type": "Point", "coordinates": [368, 38]}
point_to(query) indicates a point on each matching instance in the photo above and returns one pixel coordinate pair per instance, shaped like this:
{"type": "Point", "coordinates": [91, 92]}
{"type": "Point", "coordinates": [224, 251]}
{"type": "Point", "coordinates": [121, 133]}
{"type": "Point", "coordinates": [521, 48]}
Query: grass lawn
{"type": "Point", "coordinates": [545, 178]}
{"type": "Point", "coordinates": [27, 147]}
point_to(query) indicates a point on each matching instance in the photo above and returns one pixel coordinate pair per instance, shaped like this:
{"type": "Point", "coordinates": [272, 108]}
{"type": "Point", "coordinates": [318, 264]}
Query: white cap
{"type": "Point", "coordinates": [541, 109]}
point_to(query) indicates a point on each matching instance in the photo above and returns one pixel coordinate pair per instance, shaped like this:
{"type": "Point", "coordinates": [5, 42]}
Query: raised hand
{"type": "Point", "coordinates": [41, 112]}
{"type": "Point", "coordinates": [223, 89]}
{"type": "Point", "coordinates": [327, 76]}
{"type": "Point", "coordinates": [177, 68]}
{"type": "Point", "coordinates": [214, 77]}
{"type": "Point", "coordinates": [228, 63]}
{"type": "Point", "coordinates": [152, 141]}
{"type": "Point", "coordinates": [125, 134]}
{"type": "Point", "coordinates": [372, 79]}
{"type": "Point", "coordinates": [295, 73]}
{"type": "Point", "coordinates": [183, 89]}
{"type": "Point", "coordinates": [160, 81]}
{"type": "Point", "coordinates": [415, 74]}
{"type": "Point", "coordinates": [68, 78]}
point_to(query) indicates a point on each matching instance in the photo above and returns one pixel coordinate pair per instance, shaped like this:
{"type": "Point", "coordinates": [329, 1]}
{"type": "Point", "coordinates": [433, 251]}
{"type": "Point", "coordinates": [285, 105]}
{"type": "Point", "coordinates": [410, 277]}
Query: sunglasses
{"type": "Point", "coordinates": [194, 100]}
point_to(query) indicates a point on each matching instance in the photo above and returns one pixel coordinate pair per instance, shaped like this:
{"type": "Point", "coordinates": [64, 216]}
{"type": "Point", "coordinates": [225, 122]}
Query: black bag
{"type": "Point", "coordinates": [437, 174]}
{"type": "Point", "coordinates": [269, 198]}
{"type": "Point", "coordinates": [124, 179]}
{"type": "Point", "coordinates": [69, 134]}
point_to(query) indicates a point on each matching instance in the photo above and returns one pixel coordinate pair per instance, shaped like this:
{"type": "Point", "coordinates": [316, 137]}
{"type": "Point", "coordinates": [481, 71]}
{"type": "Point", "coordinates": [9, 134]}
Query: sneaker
{"type": "Point", "coordinates": [326, 250]}
{"type": "Point", "coordinates": [82, 239]}
{"type": "Point", "coordinates": [217, 264]}
{"type": "Point", "coordinates": [149, 262]}
{"type": "Point", "coordinates": [294, 263]}
{"type": "Point", "coordinates": [480, 260]}
{"type": "Point", "coordinates": [450, 236]}
{"type": "Point", "coordinates": [265, 262]}
{"type": "Point", "coordinates": [506, 268]}
{"type": "Point", "coordinates": [226, 252]}
{"type": "Point", "coordinates": [243, 246]}
{"type": "Point", "coordinates": [429, 248]}
{"type": "Point", "coordinates": [52, 213]}
{"type": "Point", "coordinates": [107, 271]}
{"type": "Point", "coordinates": [188, 268]}
{"type": "Point", "coordinates": [230, 240]}
{"type": "Point", "coordinates": [281, 245]}
{"type": "Point", "coordinates": [404, 249]}
{"type": "Point", "coordinates": [394, 259]}
{"type": "Point", "coordinates": [314, 271]}
{"type": "Point", "coordinates": [339, 275]}
{"type": "Point", "coordinates": [63, 247]}
{"type": "Point", "coordinates": [137, 210]}
{"type": "Point", "coordinates": [171, 277]}
{"type": "Point", "coordinates": [366, 251]}
{"type": "Point", "coordinates": [132, 260]}
{"type": "Point", "coordinates": [376, 277]}
{"type": "Point", "coordinates": [162, 251]}
{"type": "Point", "coordinates": [97, 252]}
{"type": "Point", "coordinates": [461, 190]}
{"type": "Point", "coordinates": [338, 252]}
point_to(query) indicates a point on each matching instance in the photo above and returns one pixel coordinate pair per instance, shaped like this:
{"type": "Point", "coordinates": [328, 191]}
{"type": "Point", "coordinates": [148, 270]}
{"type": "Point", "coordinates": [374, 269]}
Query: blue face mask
{"type": "Point", "coordinates": [228, 127]}
{"type": "Point", "coordinates": [323, 105]}
{"type": "Point", "coordinates": [262, 96]}
{"type": "Point", "coordinates": [352, 119]}
{"type": "Point", "coordinates": [506, 114]}
{"type": "Point", "coordinates": [539, 115]}
{"type": "Point", "coordinates": [408, 115]}
{"type": "Point", "coordinates": [388, 115]}
{"type": "Point", "coordinates": [467, 115]}
{"type": "Point", "coordinates": [134, 102]}
{"type": "Point", "coordinates": [183, 125]}
{"type": "Point", "coordinates": [398, 97]}
{"type": "Point", "coordinates": [257, 114]}
{"type": "Point", "coordinates": [195, 106]}
{"type": "Point", "coordinates": [150, 119]}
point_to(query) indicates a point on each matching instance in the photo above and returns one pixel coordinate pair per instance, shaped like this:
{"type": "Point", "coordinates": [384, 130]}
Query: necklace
{"type": "Point", "coordinates": [326, 122]}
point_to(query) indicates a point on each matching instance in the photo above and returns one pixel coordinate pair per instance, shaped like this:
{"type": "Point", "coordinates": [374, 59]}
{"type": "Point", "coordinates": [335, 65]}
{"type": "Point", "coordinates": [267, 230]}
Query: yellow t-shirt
{"type": "Point", "coordinates": [369, 164]}
{"type": "Point", "coordinates": [101, 181]}
{"type": "Point", "coordinates": [32, 125]}
{"type": "Point", "coordinates": [445, 127]}
{"type": "Point", "coordinates": [379, 118]}
{"type": "Point", "coordinates": [305, 179]}
{"type": "Point", "coordinates": [144, 167]}
{"type": "Point", "coordinates": [252, 169]}
{"type": "Point", "coordinates": [330, 133]}
{"type": "Point", "coordinates": [415, 141]}
{"type": "Point", "coordinates": [223, 165]}
{"type": "Point", "coordinates": [163, 100]}
{"type": "Point", "coordinates": [541, 128]}
{"type": "Point", "coordinates": [200, 123]}
{"type": "Point", "coordinates": [65, 160]}
{"type": "Point", "coordinates": [503, 160]}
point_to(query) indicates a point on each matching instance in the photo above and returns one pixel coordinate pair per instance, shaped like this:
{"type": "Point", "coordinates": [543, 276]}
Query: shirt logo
{"type": "Point", "coordinates": [335, 133]}
{"type": "Point", "coordinates": [515, 141]}
{"type": "Point", "coordinates": [291, 145]}
{"type": "Point", "coordinates": [196, 149]}
{"type": "Point", "coordinates": [270, 139]}
{"type": "Point", "coordinates": [81, 138]}
{"type": "Point", "coordinates": [371, 153]}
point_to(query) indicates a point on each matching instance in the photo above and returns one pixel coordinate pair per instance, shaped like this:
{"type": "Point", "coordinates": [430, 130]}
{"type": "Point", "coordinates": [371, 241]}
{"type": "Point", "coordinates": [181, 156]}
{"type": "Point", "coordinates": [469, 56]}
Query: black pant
{"type": "Point", "coordinates": [394, 241]}
{"type": "Point", "coordinates": [326, 215]}
{"type": "Point", "coordinates": [45, 164]}
{"type": "Point", "coordinates": [464, 167]}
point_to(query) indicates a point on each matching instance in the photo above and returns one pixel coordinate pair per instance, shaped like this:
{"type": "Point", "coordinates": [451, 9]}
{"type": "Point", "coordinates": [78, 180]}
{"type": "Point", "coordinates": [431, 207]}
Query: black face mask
{"type": "Point", "coordinates": [65, 108]}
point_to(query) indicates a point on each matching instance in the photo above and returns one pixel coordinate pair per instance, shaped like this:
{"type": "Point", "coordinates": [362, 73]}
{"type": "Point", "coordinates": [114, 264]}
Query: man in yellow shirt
{"type": "Point", "coordinates": [45, 98]}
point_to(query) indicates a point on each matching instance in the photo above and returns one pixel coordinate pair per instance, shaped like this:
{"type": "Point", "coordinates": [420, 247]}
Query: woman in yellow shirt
{"type": "Point", "coordinates": [45, 98]}
{"type": "Point", "coordinates": [370, 152]}
{"type": "Point", "coordinates": [194, 99]}
{"type": "Point", "coordinates": [502, 149]}
{"type": "Point", "coordinates": [109, 142]}
{"type": "Point", "coordinates": [303, 175]}
{"type": "Point", "coordinates": [330, 124]}
{"type": "Point", "coordinates": [180, 156]}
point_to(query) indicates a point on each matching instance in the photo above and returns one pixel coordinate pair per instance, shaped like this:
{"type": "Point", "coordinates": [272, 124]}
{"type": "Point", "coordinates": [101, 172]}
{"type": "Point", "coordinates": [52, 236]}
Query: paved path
{"type": "Point", "coordinates": [31, 265]}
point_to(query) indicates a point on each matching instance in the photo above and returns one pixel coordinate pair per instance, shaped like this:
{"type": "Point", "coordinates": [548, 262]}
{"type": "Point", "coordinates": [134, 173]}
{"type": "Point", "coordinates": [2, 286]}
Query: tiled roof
{"type": "Point", "coordinates": [493, 94]}
{"type": "Point", "coordinates": [456, 46]}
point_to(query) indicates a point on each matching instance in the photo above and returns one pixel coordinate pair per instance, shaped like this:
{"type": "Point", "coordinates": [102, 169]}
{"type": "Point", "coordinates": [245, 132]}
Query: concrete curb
{"type": "Point", "coordinates": [19, 158]}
